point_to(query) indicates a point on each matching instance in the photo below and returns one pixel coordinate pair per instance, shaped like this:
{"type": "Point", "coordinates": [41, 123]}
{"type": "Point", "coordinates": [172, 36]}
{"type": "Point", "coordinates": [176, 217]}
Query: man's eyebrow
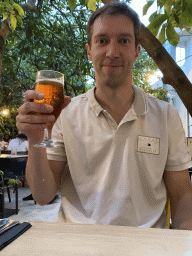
{"type": "Point", "coordinates": [100, 35]}
{"type": "Point", "coordinates": [121, 34]}
{"type": "Point", "coordinates": [126, 35]}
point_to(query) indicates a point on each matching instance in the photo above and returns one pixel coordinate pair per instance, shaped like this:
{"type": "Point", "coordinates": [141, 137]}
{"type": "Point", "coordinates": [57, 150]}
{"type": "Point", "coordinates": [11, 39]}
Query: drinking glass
{"type": "Point", "coordinates": [51, 84]}
{"type": "Point", "coordinates": [14, 151]}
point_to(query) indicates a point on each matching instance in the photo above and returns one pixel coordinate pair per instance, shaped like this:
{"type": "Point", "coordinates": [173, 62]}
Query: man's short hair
{"type": "Point", "coordinates": [113, 9]}
{"type": "Point", "coordinates": [22, 136]}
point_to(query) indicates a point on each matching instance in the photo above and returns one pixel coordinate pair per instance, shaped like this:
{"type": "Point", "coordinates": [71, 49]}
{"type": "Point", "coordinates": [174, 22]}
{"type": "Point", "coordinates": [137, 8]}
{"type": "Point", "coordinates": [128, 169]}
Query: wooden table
{"type": "Point", "coordinates": [12, 156]}
{"type": "Point", "coordinates": [53, 238]}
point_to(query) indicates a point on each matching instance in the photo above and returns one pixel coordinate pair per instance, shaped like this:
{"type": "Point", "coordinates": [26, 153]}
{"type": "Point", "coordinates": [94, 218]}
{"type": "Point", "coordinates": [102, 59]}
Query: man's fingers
{"type": "Point", "coordinates": [25, 127]}
{"type": "Point", "coordinates": [28, 107]}
{"type": "Point", "coordinates": [35, 119]}
{"type": "Point", "coordinates": [32, 94]}
{"type": "Point", "coordinates": [67, 100]}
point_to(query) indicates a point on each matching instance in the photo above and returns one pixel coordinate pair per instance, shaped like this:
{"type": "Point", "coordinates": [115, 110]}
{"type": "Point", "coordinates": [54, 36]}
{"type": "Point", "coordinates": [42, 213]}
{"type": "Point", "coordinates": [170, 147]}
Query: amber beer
{"type": "Point", "coordinates": [53, 95]}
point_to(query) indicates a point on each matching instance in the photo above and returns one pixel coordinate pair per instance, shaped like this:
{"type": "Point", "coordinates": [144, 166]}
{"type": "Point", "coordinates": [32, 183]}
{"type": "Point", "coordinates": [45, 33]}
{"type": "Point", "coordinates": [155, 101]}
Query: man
{"type": "Point", "coordinates": [20, 143]}
{"type": "Point", "coordinates": [125, 150]}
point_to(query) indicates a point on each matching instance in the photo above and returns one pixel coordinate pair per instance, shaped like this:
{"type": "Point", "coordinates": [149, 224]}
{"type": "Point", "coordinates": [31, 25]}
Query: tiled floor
{"type": "Point", "coordinates": [28, 210]}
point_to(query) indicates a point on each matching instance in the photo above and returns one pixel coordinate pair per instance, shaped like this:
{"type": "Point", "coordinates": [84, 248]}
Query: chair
{"type": "Point", "coordinates": [7, 212]}
{"type": "Point", "coordinates": [8, 152]}
{"type": "Point", "coordinates": [168, 213]}
{"type": "Point", "coordinates": [16, 169]}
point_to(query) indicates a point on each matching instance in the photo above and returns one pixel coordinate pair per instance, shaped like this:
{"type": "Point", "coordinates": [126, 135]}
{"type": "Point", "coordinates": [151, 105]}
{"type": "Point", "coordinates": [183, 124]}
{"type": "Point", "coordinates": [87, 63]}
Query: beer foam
{"type": "Point", "coordinates": [53, 80]}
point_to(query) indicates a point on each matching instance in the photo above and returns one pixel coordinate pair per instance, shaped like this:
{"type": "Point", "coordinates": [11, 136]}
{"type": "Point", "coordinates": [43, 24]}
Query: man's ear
{"type": "Point", "coordinates": [88, 48]}
{"type": "Point", "coordinates": [137, 51]}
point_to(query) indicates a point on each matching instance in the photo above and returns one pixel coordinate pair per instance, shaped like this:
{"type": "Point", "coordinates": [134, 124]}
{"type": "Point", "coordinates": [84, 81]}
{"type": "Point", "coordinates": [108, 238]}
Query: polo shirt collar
{"type": "Point", "coordinates": [93, 103]}
{"type": "Point", "coordinates": [139, 103]}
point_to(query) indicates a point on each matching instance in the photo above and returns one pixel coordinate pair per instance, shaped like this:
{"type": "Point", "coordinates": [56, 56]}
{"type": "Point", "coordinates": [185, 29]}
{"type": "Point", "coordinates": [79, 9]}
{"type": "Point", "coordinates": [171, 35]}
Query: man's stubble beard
{"type": "Point", "coordinates": [113, 82]}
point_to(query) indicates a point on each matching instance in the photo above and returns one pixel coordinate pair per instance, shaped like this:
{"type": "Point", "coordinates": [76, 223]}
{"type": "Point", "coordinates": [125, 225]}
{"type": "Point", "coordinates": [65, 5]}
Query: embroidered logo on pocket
{"type": "Point", "coordinates": [148, 145]}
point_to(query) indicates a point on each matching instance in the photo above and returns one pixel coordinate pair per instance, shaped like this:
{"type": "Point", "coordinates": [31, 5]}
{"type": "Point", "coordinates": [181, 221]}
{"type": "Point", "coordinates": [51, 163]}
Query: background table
{"type": "Point", "coordinates": [53, 238]}
{"type": "Point", "coordinates": [5, 160]}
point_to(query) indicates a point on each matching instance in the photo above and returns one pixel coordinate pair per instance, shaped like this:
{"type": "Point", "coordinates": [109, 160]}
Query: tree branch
{"type": "Point", "coordinates": [172, 73]}
{"type": "Point", "coordinates": [71, 87]}
{"type": "Point", "coordinates": [64, 15]}
{"type": "Point", "coordinates": [30, 5]}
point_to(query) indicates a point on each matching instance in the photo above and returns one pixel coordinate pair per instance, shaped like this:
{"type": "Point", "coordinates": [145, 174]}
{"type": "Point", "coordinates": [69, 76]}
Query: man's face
{"type": "Point", "coordinates": [113, 50]}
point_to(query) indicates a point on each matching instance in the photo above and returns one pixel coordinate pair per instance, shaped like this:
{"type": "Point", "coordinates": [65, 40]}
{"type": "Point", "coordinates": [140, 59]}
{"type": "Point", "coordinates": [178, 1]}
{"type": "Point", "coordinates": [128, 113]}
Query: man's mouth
{"type": "Point", "coordinates": [112, 66]}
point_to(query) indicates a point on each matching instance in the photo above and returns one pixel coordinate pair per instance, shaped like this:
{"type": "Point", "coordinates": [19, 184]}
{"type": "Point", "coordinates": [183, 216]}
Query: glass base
{"type": "Point", "coordinates": [47, 144]}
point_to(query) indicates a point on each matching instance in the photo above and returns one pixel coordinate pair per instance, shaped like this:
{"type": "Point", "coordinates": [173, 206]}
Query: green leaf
{"type": "Point", "coordinates": [13, 22]}
{"type": "Point", "coordinates": [19, 9]}
{"type": "Point", "coordinates": [19, 19]}
{"type": "Point", "coordinates": [167, 6]}
{"type": "Point", "coordinates": [154, 31]}
{"type": "Point", "coordinates": [172, 20]}
{"type": "Point", "coordinates": [1, 9]}
{"type": "Point", "coordinates": [176, 18]}
{"type": "Point", "coordinates": [161, 3]}
{"type": "Point", "coordinates": [188, 1]}
{"type": "Point", "coordinates": [158, 20]}
{"type": "Point", "coordinates": [146, 6]}
{"type": "Point", "coordinates": [6, 2]}
{"type": "Point", "coordinates": [172, 35]}
{"type": "Point", "coordinates": [91, 5]}
{"type": "Point", "coordinates": [185, 18]}
{"type": "Point", "coordinates": [72, 4]}
{"type": "Point", "coordinates": [153, 16]}
{"type": "Point", "coordinates": [161, 36]}
{"type": "Point", "coordinates": [5, 16]}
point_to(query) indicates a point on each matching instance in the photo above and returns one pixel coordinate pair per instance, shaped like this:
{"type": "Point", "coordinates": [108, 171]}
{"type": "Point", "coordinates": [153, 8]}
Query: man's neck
{"type": "Point", "coordinates": [117, 101]}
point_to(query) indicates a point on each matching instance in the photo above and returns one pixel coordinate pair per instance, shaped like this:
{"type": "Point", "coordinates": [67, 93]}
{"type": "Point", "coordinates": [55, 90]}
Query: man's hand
{"type": "Point", "coordinates": [32, 124]}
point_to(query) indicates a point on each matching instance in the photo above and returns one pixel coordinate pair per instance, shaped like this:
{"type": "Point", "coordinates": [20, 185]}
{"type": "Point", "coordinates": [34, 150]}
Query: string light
{"type": "Point", "coordinates": [5, 112]}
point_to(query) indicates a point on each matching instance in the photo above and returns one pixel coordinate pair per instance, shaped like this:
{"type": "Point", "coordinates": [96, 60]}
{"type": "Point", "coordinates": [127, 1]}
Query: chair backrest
{"type": "Point", "coordinates": [8, 152]}
{"type": "Point", "coordinates": [17, 168]}
{"type": "Point", "coordinates": [22, 153]}
{"type": "Point", "coordinates": [168, 213]}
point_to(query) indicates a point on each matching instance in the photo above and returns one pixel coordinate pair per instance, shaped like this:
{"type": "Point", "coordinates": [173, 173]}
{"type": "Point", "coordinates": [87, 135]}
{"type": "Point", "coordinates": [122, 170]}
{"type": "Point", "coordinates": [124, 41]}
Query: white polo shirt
{"type": "Point", "coordinates": [116, 171]}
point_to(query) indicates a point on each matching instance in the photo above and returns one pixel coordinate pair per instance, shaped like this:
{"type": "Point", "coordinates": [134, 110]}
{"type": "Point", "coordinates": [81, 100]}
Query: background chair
{"type": "Point", "coordinates": [168, 213]}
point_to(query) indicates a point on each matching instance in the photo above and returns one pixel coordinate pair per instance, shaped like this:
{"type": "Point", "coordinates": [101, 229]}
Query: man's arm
{"type": "Point", "coordinates": [179, 189]}
{"type": "Point", "coordinates": [43, 177]}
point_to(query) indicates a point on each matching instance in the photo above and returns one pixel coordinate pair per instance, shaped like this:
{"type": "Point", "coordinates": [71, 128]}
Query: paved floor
{"type": "Point", "coordinates": [28, 210]}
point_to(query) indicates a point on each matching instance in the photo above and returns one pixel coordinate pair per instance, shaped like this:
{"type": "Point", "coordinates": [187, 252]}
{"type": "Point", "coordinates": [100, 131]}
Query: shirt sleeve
{"type": "Point", "coordinates": [178, 152]}
{"type": "Point", "coordinates": [57, 153]}
{"type": "Point", "coordinates": [10, 145]}
{"type": "Point", "coordinates": [26, 145]}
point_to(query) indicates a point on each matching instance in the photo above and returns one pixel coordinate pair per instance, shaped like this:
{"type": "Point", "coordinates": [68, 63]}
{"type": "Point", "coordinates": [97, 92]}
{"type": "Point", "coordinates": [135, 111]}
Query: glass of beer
{"type": "Point", "coordinates": [51, 84]}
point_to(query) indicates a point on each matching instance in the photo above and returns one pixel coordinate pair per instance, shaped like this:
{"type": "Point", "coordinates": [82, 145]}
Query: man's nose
{"type": "Point", "coordinates": [113, 50]}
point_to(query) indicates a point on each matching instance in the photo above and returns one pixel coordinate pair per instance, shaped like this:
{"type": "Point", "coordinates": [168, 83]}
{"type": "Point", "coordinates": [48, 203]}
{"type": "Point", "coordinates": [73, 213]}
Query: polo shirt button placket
{"type": "Point", "coordinates": [113, 125]}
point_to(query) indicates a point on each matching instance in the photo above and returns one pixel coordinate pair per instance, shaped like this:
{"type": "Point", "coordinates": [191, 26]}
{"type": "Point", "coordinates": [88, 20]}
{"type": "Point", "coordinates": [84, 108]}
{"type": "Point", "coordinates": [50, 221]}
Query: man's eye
{"type": "Point", "coordinates": [102, 41]}
{"type": "Point", "coordinates": [124, 40]}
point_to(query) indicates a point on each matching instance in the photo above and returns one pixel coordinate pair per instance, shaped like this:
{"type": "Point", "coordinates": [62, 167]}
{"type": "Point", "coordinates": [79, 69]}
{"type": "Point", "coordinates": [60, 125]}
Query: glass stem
{"type": "Point", "coordinates": [46, 136]}
{"type": "Point", "coordinates": [49, 129]}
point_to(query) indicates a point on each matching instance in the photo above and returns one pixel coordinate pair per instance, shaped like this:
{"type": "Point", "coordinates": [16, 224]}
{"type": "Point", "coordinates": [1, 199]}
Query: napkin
{"type": "Point", "coordinates": [11, 234]}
